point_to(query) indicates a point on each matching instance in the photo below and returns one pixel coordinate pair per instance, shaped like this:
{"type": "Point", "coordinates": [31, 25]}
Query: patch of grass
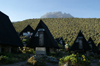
{"type": "Point", "coordinates": [8, 58]}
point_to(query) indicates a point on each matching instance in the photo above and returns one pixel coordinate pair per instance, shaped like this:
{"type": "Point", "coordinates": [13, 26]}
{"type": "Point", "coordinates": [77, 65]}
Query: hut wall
{"type": "Point", "coordinates": [7, 49]}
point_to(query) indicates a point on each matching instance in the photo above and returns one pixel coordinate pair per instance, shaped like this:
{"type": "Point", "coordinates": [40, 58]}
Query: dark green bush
{"type": "Point", "coordinates": [7, 58]}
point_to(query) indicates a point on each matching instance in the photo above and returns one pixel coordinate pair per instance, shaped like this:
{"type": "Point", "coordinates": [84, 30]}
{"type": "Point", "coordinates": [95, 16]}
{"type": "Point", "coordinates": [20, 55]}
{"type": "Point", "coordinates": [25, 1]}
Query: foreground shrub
{"type": "Point", "coordinates": [75, 59]}
{"type": "Point", "coordinates": [8, 58]}
{"type": "Point", "coordinates": [36, 62]}
{"type": "Point", "coordinates": [28, 50]}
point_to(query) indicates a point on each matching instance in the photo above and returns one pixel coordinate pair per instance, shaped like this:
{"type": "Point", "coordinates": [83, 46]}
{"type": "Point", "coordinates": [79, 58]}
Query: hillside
{"type": "Point", "coordinates": [67, 28]}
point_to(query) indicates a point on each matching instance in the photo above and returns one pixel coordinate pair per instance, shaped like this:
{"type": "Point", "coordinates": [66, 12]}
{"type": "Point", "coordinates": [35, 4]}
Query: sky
{"type": "Point", "coordinates": [19, 10]}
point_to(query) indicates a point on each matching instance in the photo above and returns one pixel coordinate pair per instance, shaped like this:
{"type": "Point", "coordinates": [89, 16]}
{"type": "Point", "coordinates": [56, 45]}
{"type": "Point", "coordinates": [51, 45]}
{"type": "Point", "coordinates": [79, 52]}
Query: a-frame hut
{"type": "Point", "coordinates": [27, 31]}
{"type": "Point", "coordinates": [92, 45]}
{"type": "Point", "coordinates": [42, 38]}
{"type": "Point", "coordinates": [9, 39]}
{"type": "Point", "coordinates": [80, 43]}
{"type": "Point", "coordinates": [60, 41]}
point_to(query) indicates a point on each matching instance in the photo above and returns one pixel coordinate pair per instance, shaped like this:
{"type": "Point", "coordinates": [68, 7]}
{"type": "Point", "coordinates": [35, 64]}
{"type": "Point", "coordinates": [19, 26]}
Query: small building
{"type": "Point", "coordinates": [60, 41]}
{"type": "Point", "coordinates": [80, 44]}
{"type": "Point", "coordinates": [27, 31]}
{"type": "Point", "coordinates": [9, 39]}
{"type": "Point", "coordinates": [42, 39]}
{"type": "Point", "coordinates": [92, 45]}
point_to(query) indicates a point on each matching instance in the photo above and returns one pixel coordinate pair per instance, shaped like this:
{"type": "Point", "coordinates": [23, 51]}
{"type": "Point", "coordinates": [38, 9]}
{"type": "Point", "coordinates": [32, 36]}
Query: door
{"type": "Point", "coordinates": [41, 38]}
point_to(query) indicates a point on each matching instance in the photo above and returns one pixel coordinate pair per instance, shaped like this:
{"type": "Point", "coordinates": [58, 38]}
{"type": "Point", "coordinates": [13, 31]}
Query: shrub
{"type": "Point", "coordinates": [36, 62]}
{"type": "Point", "coordinates": [7, 58]}
{"type": "Point", "coordinates": [75, 59]}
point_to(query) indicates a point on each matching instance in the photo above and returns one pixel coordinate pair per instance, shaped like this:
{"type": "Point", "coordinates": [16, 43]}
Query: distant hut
{"type": "Point", "coordinates": [42, 39]}
{"type": "Point", "coordinates": [9, 39]}
{"type": "Point", "coordinates": [60, 41]}
{"type": "Point", "coordinates": [92, 45]}
{"type": "Point", "coordinates": [80, 44]}
{"type": "Point", "coordinates": [27, 31]}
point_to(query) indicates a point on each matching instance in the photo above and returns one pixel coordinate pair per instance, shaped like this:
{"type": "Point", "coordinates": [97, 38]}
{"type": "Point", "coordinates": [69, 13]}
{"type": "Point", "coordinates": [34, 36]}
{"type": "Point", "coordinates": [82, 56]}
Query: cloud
{"type": "Point", "coordinates": [56, 15]}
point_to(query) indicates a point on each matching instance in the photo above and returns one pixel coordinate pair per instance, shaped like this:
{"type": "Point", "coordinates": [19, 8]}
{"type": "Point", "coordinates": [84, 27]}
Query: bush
{"type": "Point", "coordinates": [32, 51]}
{"type": "Point", "coordinates": [75, 59]}
{"type": "Point", "coordinates": [36, 62]}
{"type": "Point", "coordinates": [28, 50]}
{"type": "Point", "coordinates": [7, 58]}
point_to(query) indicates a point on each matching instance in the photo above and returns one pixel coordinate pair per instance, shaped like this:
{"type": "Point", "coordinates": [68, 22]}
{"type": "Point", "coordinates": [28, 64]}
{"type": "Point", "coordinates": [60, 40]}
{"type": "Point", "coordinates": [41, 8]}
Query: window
{"type": "Point", "coordinates": [28, 33]}
{"type": "Point", "coordinates": [24, 34]}
{"type": "Point", "coordinates": [36, 35]}
{"type": "Point", "coordinates": [31, 33]}
{"type": "Point", "coordinates": [41, 29]}
{"type": "Point", "coordinates": [80, 44]}
{"type": "Point", "coordinates": [91, 45]}
{"type": "Point", "coordinates": [77, 40]}
{"type": "Point", "coordinates": [41, 38]}
{"type": "Point", "coordinates": [80, 37]}
{"type": "Point", "coordinates": [61, 42]}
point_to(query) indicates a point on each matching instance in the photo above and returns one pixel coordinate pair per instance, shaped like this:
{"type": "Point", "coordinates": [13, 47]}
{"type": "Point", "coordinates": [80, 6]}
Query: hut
{"type": "Point", "coordinates": [42, 39]}
{"type": "Point", "coordinates": [27, 31]}
{"type": "Point", "coordinates": [9, 39]}
{"type": "Point", "coordinates": [80, 44]}
{"type": "Point", "coordinates": [60, 41]}
{"type": "Point", "coordinates": [92, 45]}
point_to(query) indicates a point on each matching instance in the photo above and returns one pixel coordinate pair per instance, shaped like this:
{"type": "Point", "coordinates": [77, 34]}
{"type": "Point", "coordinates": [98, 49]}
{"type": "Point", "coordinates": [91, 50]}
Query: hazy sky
{"type": "Point", "coordinates": [19, 10]}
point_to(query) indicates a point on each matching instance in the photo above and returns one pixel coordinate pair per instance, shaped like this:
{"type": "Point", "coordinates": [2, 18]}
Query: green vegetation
{"type": "Point", "coordinates": [75, 59]}
{"type": "Point", "coordinates": [36, 62]}
{"type": "Point", "coordinates": [8, 58]}
{"type": "Point", "coordinates": [27, 50]}
{"type": "Point", "coordinates": [67, 28]}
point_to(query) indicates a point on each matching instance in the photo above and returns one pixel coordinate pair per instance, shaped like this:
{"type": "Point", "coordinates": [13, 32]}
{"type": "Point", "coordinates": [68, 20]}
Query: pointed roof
{"type": "Point", "coordinates": [8, 35]}
{"type": "Point", "coordinates": [27, 28]}
{"type": "Point", "coordinates": [90, 41]}
{"type": "Point", "coordinates": [59, 39]}
{"type": "Point", "coordinates": [85, 44]}
{"type": "Point", "coordinates": [49, 40]}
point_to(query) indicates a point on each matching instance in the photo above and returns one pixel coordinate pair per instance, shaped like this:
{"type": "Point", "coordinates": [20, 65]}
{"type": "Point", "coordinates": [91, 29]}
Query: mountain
{"type": "Point", "coordinates": [56, 15]}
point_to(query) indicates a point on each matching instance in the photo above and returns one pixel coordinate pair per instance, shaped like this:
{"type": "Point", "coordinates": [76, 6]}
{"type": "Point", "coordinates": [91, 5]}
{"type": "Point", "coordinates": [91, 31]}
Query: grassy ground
{"type": "Point", "coordinates": [8, 58]}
